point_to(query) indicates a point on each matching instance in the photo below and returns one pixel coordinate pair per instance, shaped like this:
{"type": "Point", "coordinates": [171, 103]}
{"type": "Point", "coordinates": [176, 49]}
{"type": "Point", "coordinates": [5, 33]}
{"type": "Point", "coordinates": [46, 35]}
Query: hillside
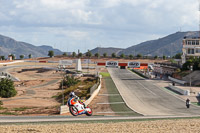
{"type": "Point", "coordinates": [11, 46]}
{"type": "Point", "coordinates": [168, 46]}
{"type": "Point", "coordinates": [108, 50]}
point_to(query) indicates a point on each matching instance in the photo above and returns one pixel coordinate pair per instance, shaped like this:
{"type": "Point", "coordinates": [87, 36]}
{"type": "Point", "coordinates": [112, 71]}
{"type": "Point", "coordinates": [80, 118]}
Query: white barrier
{"type": "Point", "coordinates": [176, 80]}
{"type": "Point", "coordinates": [6, 63]}
{"type": "Point", "coordinates": [94, 93]}
{"type": "Point", "coordinates": [36, 61]}
{"type": "Point", "coordinates": [65, 109]}
{"type": "Point", "coordinates": [183, 92]}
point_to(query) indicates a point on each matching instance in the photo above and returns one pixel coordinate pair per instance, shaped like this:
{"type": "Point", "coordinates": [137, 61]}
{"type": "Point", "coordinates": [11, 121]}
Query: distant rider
{"type": "Point", "coordinates": [188, 103]}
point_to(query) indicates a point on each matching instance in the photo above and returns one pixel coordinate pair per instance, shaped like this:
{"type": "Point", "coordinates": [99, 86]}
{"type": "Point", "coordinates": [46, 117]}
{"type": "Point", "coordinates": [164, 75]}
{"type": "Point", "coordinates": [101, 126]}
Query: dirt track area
{"type": "Point", "coordinates": [157, 126]}
{"type": "Point", "coordinates": [34, 91]}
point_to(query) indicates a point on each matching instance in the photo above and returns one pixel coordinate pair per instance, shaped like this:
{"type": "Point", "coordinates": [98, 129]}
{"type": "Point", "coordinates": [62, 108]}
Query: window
{"type": "Point", "coordinates": [197, 42]}
{"type": "Point", "coordinates": [192, 51]}
{"type": "Point", "coordinates": [188, 51]}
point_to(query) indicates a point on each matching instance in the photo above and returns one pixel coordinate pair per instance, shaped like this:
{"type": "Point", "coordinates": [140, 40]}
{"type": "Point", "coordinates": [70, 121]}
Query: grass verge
{"type": "Point", "coordinates": [122, 108]}
{"type": "Point", "coordinates": [105, 74]}
{"type": "Point", "coordinates": [196, 103]}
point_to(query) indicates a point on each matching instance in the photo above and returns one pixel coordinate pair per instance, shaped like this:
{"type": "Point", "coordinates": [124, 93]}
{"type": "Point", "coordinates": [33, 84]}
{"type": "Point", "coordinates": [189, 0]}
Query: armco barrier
{"type": "Point", "coordinates": [181, 91]}
{"type": "Point", "coordinates": [65, 109]}
{"type": "Point", "coordinates": [177, 80]}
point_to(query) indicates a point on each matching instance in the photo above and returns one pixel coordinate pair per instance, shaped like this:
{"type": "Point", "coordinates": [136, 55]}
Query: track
{"type": "Point", "coordinates": [36, 119]}
{"type": "Point", "coordinates": [146, 98]}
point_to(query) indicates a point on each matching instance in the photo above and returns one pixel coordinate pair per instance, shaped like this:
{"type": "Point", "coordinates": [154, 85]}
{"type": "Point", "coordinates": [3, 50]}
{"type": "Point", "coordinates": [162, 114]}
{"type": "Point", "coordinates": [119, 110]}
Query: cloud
{"type": "Point", "coordinates": [114, 23]}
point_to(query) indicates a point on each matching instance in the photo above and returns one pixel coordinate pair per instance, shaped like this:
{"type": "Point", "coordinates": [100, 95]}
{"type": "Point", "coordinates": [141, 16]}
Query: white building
{"type": "Point", "coordinates": [191, 47]}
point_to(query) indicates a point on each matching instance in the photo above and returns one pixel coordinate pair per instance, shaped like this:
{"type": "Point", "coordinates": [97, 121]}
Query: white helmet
{"type": "Point", "coordinates": [72, 94]}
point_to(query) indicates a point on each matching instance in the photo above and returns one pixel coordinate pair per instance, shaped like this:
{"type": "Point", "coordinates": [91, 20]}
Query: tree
{"type": "Point", "coordinates": [13, 56]}
{"type": "Point", "coordinates": [89, 54]}
{"type": "Point", "coordinates": [21, 57]}
{"type": "Point", "coordinates": [29, 56]}
{"type": "Point", "coordinates": [104, 55]}
{"type": "Point", "coordinates": [164, 57]}
{"type": "Point", "coordinates": [2, 57]}
{"type": "Point", "coordinates": [7, 88]}
{"type": "Point", "coordinates": [131, 56]}
{"type": "Point", "coordinates": [74, 54]}
{"type": "Point", "coordinates": [178, 56]}
{"type": "Point", "coordinates": [113, 55]}
{"type": "Point", "coordinates": [97, 55]}
{"type": "Point", "coordinates": [139, 56]}
{"type": "Point", "coordinates": [156, 57]}
{"type": "Point", "coordinates": [65, 54]}
{"type": "Point", "coordinates": [122, 55]}
{"type": "Point", "coordinates": [51, 53]}
{"type": "Point", "coordinates": [80, 55]}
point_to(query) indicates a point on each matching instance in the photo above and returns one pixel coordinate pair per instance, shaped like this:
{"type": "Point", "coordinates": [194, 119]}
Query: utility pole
{"type": "Point", "coordinates": [191, 69]}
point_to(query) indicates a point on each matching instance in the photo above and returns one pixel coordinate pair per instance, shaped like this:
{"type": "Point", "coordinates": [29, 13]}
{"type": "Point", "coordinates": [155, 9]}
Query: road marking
{"type": "Point", "coordinates": [114, 112]}
{"type": "Point", "coordinates": [146, 88]}
{"type": "Point", "coordinates": [108, 94]}
{"type": "Point", "coordinates": [112, 103]}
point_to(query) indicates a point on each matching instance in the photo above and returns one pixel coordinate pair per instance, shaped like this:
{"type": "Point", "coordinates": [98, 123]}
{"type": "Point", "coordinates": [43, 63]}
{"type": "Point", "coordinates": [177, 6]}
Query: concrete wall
{"type": "Point", "coordinates": [176, 80]}
{"type": "Point", "coordinates": [181, 91]}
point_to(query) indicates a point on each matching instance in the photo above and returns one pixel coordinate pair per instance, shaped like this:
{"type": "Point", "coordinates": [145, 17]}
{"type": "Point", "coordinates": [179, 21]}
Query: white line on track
{"type": "Point", "coordinates": [108, 94]}
{"type": "Point", "coordinates": [112, 103]}
{"type": "Point", "coordinates": [146, 88]}
{"type": "Point", "coordinates": [113, 112]}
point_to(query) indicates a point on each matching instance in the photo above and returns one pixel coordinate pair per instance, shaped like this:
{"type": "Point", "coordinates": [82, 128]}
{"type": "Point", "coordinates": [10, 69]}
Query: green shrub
{"type": "Point", "coordinates": [69, 81]}
{"type": "Point", "coordinates": [1, 103]}
{"type": "Point", "coordinates": [7, 88]}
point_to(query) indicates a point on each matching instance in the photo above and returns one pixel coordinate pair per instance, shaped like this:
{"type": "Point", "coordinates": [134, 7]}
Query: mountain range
{"type": "Point", "coordinates": [10, 46]}
{"type": "Point", "coordinates": [168, 46]}
{"type": "Point", "coordinates": [108, 50]}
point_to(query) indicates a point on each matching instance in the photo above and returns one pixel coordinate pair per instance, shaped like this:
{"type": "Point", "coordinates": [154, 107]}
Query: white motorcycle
{"type": "Point", "coordinates": [76, 107]}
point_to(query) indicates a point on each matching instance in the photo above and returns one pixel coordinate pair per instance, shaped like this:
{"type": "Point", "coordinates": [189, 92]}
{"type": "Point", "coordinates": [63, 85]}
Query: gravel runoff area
{"type": "Point", "coordinates": [148, 126]}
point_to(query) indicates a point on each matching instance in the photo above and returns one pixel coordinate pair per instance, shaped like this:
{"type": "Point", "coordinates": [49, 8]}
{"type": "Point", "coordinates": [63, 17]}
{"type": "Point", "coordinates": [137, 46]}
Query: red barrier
{"type": "Point", "coordinates": [123, 64]}
{"type": "Point", "coordinates": [101, 64]}
{"type": "Point", "coordinates": [43, 61]}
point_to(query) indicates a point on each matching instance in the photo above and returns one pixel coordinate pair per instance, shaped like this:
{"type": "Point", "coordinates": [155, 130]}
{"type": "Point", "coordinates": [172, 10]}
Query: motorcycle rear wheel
{"type": "Point", "coordinates": [73, 110]}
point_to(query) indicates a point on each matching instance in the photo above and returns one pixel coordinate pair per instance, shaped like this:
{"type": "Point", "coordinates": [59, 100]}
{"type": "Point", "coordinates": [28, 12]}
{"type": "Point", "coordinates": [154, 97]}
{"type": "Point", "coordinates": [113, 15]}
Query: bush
{"type": "Point", "coordinates": [68, 81]}
{"type": "Point", "coordinates": [1, 103]}
{"type": "Point", "coordinates": [7, 88]}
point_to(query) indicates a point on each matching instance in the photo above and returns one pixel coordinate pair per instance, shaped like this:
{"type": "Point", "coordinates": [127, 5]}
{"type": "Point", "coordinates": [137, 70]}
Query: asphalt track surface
{"type": "Point", "coordinates": [144, 97]}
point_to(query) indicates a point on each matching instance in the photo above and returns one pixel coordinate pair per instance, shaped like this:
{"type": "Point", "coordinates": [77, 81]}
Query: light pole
{"type": "Point", "coordinates": [191, 69]}
{"type": "Point", "coordinates": [63, 77]}
{"type": "Point", "coordinates": [62, 92]}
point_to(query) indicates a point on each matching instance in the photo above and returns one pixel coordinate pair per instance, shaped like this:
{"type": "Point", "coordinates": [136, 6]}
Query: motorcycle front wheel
{"type": "Point", "coordinates": [73, 110]}
{"type": "Point", "coordinates": [89, 111]}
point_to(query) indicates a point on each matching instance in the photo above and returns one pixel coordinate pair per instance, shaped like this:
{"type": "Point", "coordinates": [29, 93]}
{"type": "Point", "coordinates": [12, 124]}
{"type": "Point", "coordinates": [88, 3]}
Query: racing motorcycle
{"type": "Point", "coordinates": [77, 107]}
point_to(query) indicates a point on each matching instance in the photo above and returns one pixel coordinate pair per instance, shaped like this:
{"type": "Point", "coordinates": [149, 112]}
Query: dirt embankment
{"type": "Point", "coordinates": [157, 126]}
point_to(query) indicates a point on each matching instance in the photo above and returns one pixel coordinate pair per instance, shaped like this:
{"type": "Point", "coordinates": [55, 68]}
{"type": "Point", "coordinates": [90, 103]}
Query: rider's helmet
{"type": "Point", "coordinates": [72, 94]}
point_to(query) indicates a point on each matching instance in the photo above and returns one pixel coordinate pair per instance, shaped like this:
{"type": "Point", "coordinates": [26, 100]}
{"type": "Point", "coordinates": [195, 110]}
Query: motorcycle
{"type": "Point", "coordinates": [76, 107]}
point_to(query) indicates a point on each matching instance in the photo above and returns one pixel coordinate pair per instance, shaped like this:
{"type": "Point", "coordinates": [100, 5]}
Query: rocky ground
{"type": "Point", "coordinates": [156, 126]}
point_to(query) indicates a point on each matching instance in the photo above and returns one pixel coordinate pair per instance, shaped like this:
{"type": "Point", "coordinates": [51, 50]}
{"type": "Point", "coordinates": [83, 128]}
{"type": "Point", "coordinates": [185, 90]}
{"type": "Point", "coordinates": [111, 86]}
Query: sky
{"type": "Point", "coordinates": [70, 25]}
